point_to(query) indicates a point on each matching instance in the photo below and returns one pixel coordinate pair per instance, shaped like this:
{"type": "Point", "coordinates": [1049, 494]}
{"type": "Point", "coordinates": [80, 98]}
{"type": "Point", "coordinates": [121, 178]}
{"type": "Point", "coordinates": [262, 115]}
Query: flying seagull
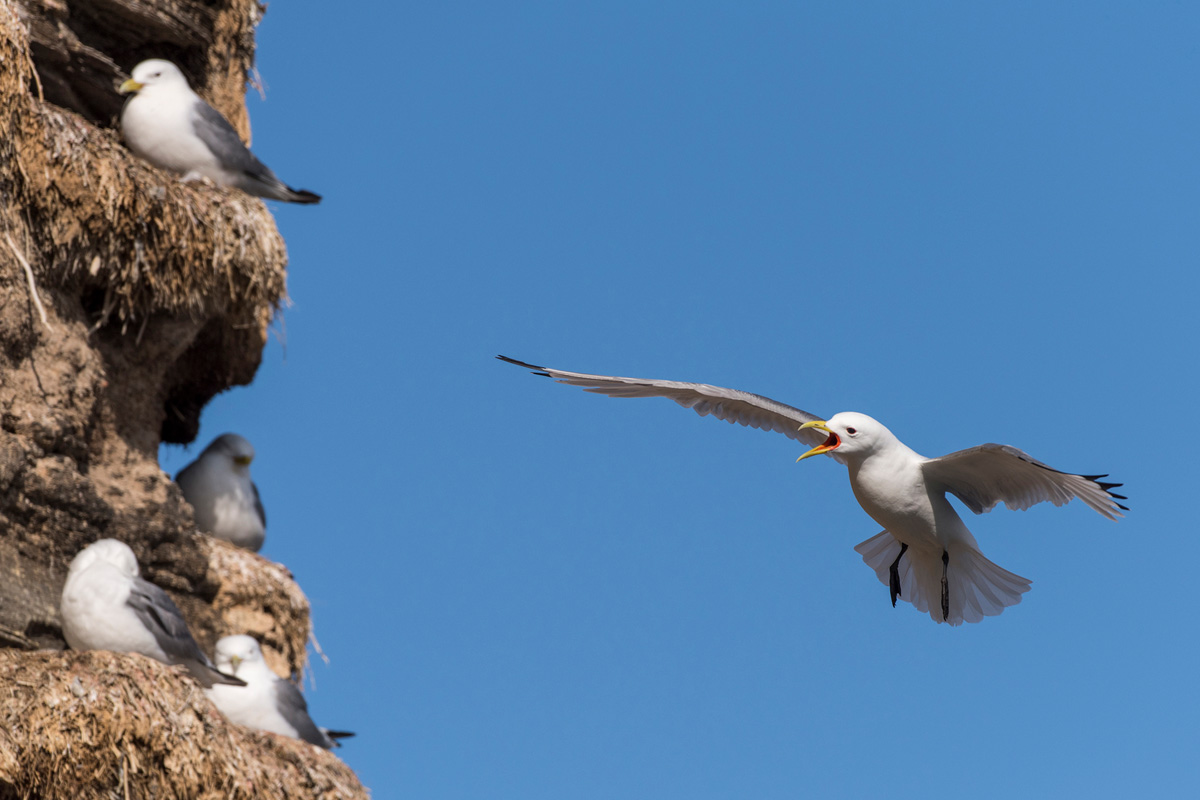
{"type": "Point", "coordinates": [225, 500]}
{"type": "Point", "coordinates": [925, 554]}
{"type": "Point", "coordinates": [169, 125]}
{"type": "Point", "coordinates": [267, 702]}
{"type": "Point", "coordinates": [107, 606]}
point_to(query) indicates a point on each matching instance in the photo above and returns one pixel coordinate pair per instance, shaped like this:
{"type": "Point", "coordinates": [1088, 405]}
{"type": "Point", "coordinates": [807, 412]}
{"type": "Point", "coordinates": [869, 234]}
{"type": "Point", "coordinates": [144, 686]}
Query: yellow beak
{"type": "Point", "coordinates": [236, 661]}
{"type": "Point", "coordinates": [830, 444]}
{"type": "Point", "coordinates": [130, 86]}
{"type": "Point", "coordinates": [242, 460]}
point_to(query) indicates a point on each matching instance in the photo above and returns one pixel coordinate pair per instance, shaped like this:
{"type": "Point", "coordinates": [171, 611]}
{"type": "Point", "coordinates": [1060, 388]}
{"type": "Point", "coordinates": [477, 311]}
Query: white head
{"type": "Point", "coordinates": [152, 73]}
{"type": "Point", "coordinates": [108, 551]}
{"type": "Point", "coordinates": [852, 436]}
{"type": "Point", "coordinates": [239, 655]}
{"type": "Point", "coordinates": [231, 448]}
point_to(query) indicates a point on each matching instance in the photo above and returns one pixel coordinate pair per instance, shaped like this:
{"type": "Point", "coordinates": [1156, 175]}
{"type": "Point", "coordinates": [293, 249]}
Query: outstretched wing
{"type": "Point", "coordinates": [731, 405]}
{"type": "Point", "coordinates": [996, 473]}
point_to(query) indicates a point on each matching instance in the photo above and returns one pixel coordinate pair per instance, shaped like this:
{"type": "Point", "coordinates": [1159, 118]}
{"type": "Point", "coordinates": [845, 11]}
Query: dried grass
{"type": "Point", "coordinates": [100, 219]}
{"type": "Point", "coordinates": [260, 597]}
{"type": "Point", "coordinates": [113, 725]}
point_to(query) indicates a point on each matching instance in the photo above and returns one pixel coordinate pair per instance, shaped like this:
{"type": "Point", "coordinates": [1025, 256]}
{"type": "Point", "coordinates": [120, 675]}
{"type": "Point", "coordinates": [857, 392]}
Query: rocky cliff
{"type": "Point", "coordinates": [127, 301]}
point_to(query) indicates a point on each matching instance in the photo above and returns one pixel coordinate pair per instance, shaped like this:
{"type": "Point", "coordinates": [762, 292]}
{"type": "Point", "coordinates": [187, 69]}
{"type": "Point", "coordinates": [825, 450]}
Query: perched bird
{"type": "Point", "coordinates": [107, 606]}
{"type": "Point", "coordinates": [925, 554]}
{"type": "Point", "coordinates": [169, 125]}
{"type": "Point", "coordinates": [267, 702]}
{"type": "Point", "coordinates": [225, 500]}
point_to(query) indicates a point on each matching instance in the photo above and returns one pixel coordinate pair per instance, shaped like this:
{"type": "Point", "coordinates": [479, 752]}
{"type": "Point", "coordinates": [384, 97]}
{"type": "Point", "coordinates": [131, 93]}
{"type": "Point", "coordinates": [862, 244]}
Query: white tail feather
{"type": "Point", "coordinates": [978, 588]}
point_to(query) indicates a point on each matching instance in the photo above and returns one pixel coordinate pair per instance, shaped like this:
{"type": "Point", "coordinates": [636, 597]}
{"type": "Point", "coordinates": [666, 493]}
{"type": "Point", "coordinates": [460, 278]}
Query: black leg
{"type": "Point", "coordinates": [895, 574]}
{"type": "Point", "coordinates": [945, 587]}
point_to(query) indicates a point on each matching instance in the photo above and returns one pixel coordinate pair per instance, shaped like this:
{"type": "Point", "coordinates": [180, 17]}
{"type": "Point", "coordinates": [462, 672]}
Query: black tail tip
{"type": "Point", "coordinates": [337, 736]}
{"type": "Point", "coordinates": [303, 197]}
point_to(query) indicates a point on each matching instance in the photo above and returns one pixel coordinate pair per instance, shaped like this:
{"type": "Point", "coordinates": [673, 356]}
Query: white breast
{"type": "Point", "coordinates": [235, 517]}
{"type": "Point", "coordinates": [252, 705]}
{"type": "Point", "coordinates": [157, 126]}
{"type": "Point", "coordinates": [892, 491]}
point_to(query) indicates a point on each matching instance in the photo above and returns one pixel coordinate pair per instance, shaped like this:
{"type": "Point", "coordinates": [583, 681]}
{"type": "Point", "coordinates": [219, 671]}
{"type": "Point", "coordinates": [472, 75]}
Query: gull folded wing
{"type": "Point", "coordinates": [162, 618]}
{"type": "Point", "coordinates": [292, 706]}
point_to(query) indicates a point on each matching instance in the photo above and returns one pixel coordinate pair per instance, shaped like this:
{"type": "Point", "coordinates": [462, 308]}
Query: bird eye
{"type": "Point", "coordinates": [851, 431]}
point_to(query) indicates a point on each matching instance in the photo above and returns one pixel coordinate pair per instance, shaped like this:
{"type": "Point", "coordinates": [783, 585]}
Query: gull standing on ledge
{"type": "Point", "coordinates": [224, 498]}
{"type": "Point", "coordinates": [925, 554]}
{"type": "Point", "coordinates": [169, 125]}
{"type": "Point", "coordinates": [106, 605]}
{"type": "Point", "coordinates": [267, 702]}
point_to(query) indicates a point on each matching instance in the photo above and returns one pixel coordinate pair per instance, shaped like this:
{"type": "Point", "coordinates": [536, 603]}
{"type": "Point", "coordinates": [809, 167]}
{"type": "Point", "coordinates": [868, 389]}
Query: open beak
{"type": "Point", "coordinates": [829, 444]}
{"type": "Point", "coordinates": [130, 86]}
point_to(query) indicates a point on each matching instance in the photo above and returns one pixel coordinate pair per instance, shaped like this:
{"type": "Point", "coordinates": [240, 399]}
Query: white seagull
{"type": "Point", "coordinates": [172, 127]}
{"type": "Point", "coordinates": [267, 702]}
{"type": "Point", "coordinates": [107, 606]}
{"type": "Point", "coordinates": [224, 498]}
{"type": "Point", "coordinates": [944, 573]}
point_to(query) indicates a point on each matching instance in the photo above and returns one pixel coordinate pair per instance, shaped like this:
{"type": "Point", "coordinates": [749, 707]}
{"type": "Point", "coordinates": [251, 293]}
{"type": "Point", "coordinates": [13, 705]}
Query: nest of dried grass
{"type": "Point", "coordinates": [148, 242]}
{"type": "Point", "coordinates": [132, 237]}
{"type": "Point", "coordinates": [260, 597]}
{"type": "Point", "coordinates": [116, 725]}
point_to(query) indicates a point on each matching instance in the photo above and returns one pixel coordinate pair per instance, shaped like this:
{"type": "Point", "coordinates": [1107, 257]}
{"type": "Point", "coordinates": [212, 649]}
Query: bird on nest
{"type": "Point", "coordinates": [172, 127]}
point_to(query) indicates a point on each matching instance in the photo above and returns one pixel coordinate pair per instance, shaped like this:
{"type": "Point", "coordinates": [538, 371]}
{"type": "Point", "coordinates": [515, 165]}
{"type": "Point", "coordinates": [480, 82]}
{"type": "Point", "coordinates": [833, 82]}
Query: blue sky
{"type": "Point", "coordinates": [973, 222]}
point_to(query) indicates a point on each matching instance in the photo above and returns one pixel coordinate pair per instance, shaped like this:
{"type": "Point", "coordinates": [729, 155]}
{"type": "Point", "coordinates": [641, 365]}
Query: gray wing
{"type": "Point", "coordinates": [220, 137]}
{"type": "Point", "coordinates": [731, 405]}
{"type": "Point", "coordinates": [159, 614]}
{"type": "Point", "coordinates": [256, 178]}
{"type": "Point", "coordinates": [996, 473]}
{"type": "Point", "coordinates": [258, 506]}
{"type": "Point", "coordinates": [294, 708]}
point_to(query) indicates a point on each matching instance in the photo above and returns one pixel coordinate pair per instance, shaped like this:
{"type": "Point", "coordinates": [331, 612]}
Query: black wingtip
{"type": "Point", "coordinates": [535, 368]}
{"type": "Point", "coordinates": [339, 734]}
{"type": "Point", "coordinates": [303, 196]}
{"type": "Point", "coordinates": [1107, 488]}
